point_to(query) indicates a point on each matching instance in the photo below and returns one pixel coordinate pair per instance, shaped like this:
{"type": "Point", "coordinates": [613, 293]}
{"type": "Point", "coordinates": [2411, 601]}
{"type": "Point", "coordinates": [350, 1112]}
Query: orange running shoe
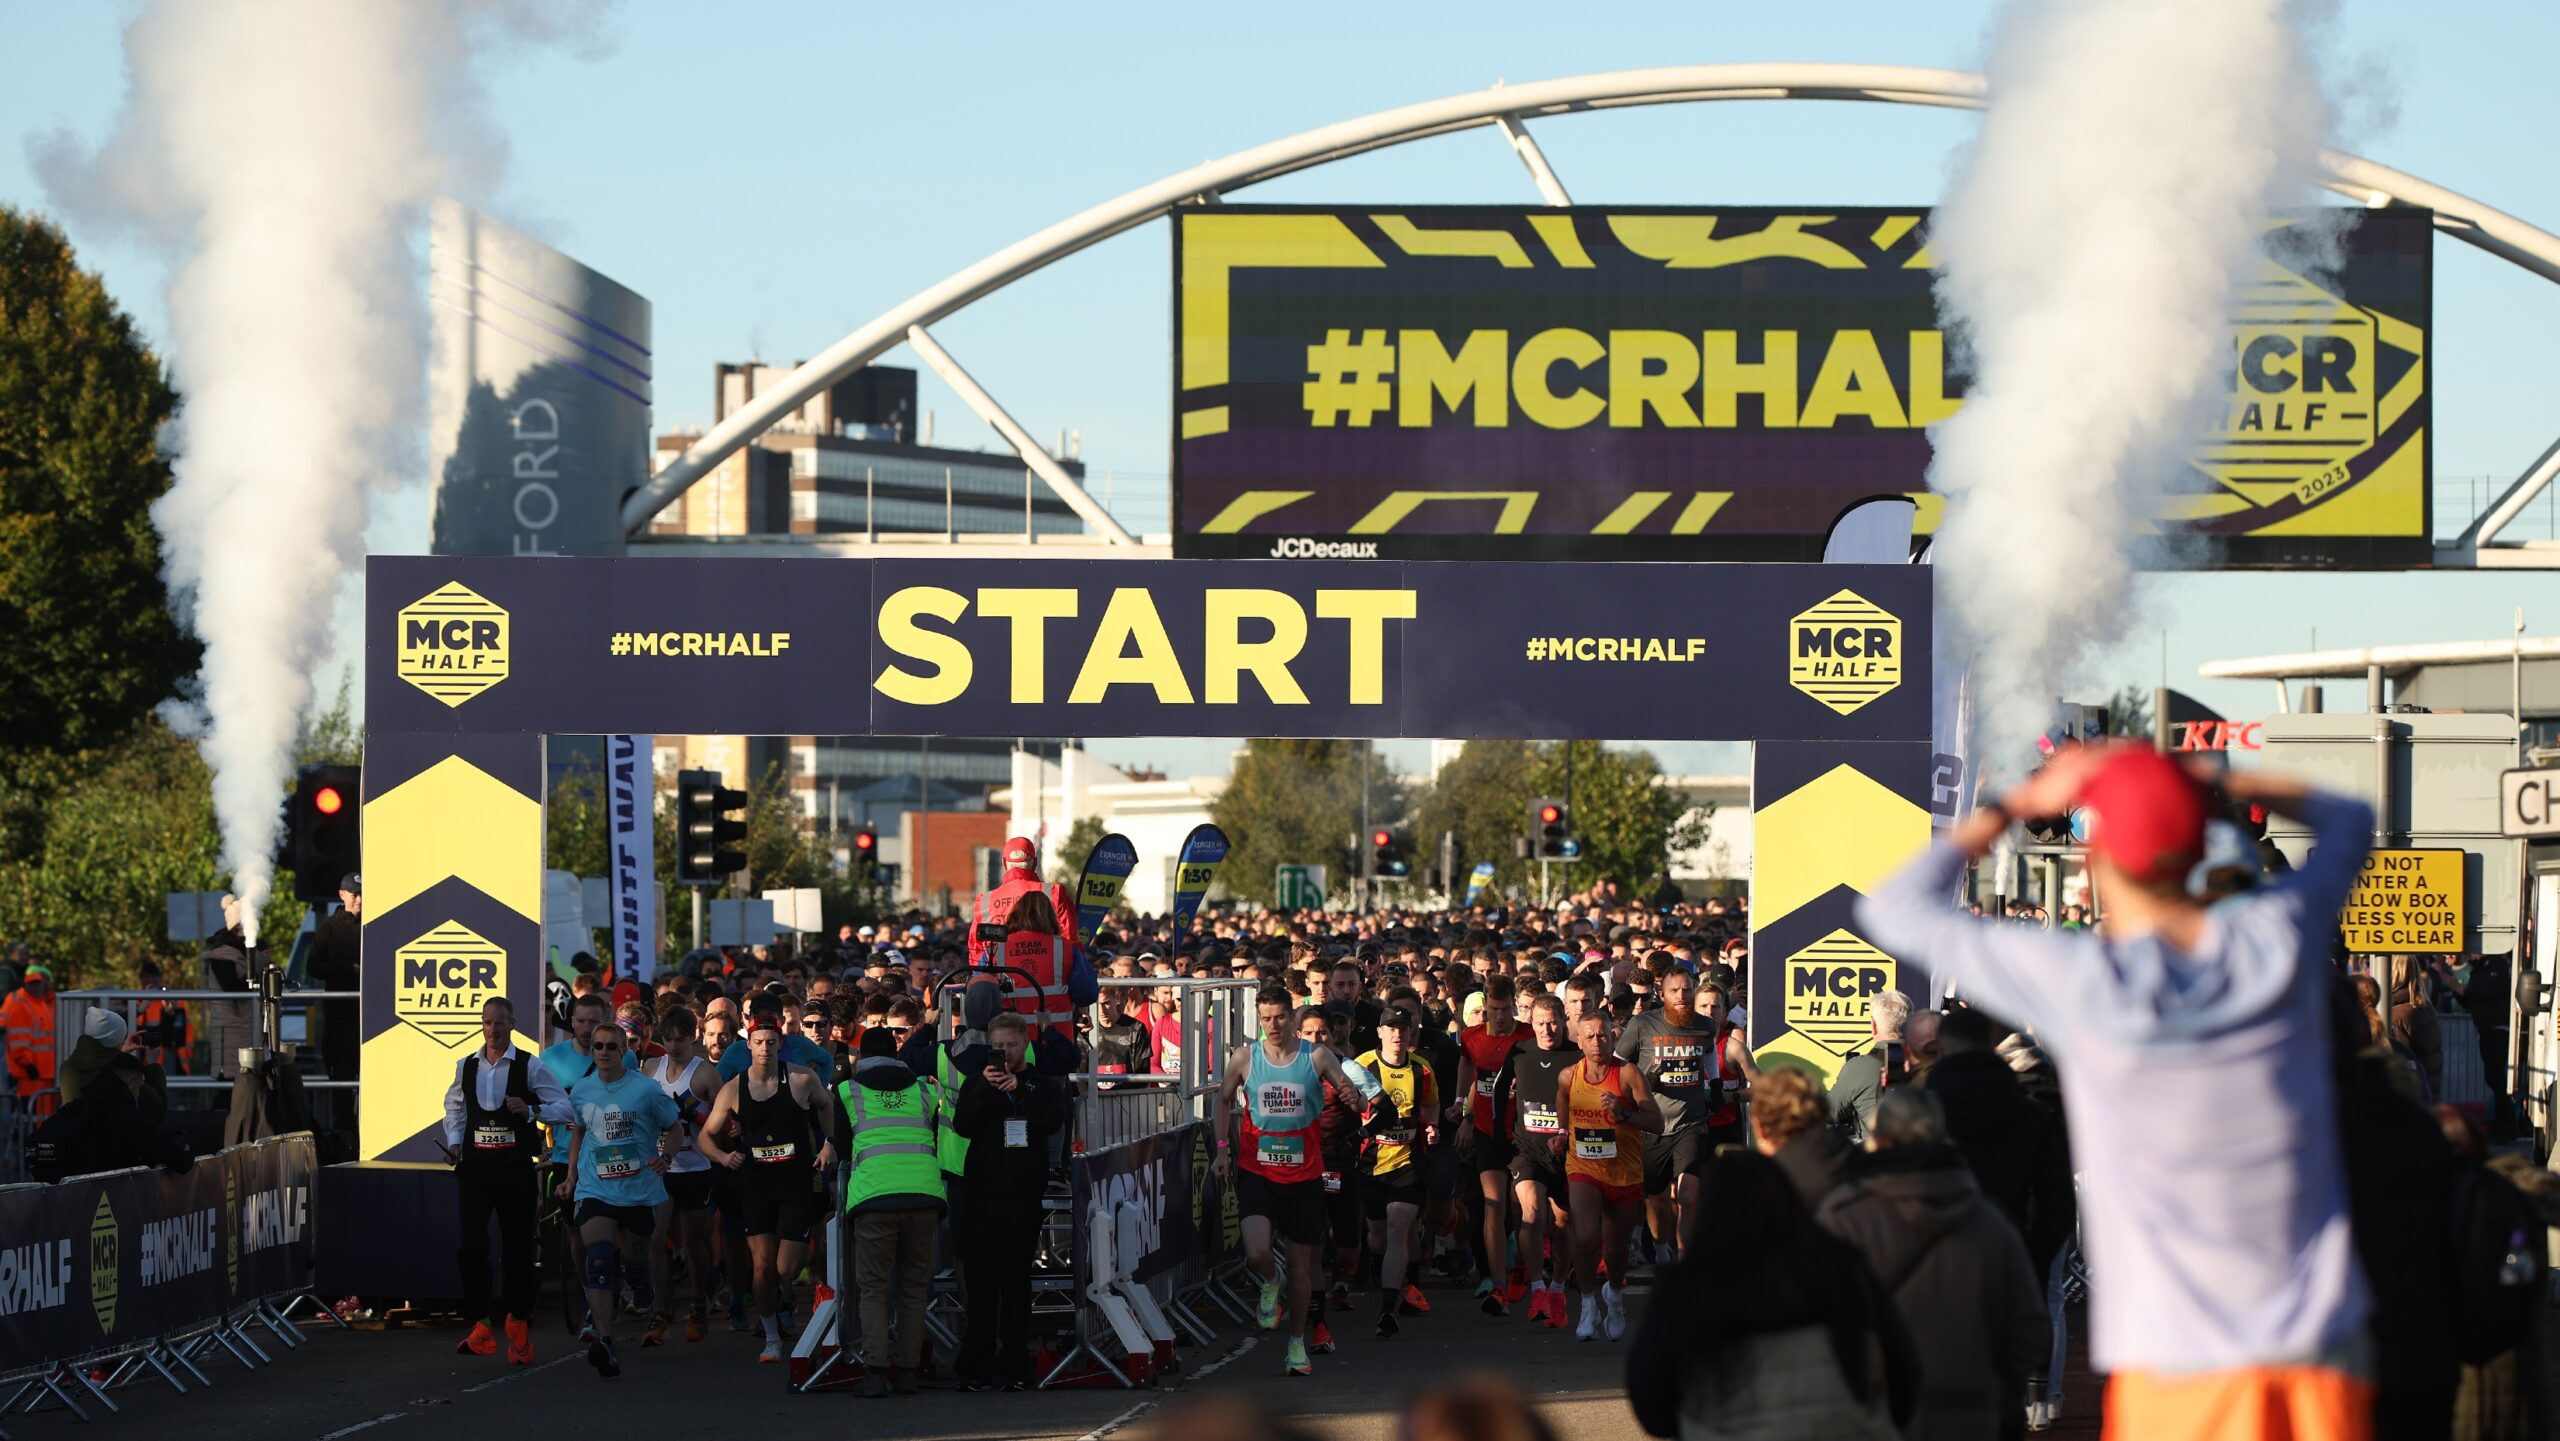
{"type": "Point", "coordinates": [1415, 1301]}
{"type": "Point", "coordinates": [481, 1342]}
{"type": "Point", "coordinates": [1519, 1286]}
{"type": "Point", "coordinates": [519, 1342]}
{"type": "Point", "coordinates": [697, 1321]}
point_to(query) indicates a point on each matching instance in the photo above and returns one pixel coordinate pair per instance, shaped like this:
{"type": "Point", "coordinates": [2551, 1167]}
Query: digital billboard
{"type": "Point", "coordinates": [1614, 383]}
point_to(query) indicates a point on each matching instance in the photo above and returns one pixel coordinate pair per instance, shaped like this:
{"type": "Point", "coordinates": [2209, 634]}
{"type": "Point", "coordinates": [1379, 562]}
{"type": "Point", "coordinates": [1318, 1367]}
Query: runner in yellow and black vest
{"type": "Point", "coordinates": [894, 1197]}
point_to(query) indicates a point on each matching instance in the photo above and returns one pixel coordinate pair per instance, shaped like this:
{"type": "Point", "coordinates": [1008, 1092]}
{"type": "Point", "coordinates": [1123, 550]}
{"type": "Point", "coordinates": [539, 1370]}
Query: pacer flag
{"type": "Point", "coordinates": [1106, 870]}
{"type": "Point", "coordinates": [1480, 878]}
{"type": "Point", "coordinates": [1195, 866]}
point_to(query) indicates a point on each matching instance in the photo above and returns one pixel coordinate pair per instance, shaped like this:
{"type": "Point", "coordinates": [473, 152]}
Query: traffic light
{"type": "Point", "coordinates": [704, 829]}
{"type": "Point", "coordinates": [866, 844]}
{"type": "Point", "coordinates": [1551, 830]}
{"type": "Point", "coordinates": [1386, 855]}
{"type": "Point", "coordinates": [324, 835]}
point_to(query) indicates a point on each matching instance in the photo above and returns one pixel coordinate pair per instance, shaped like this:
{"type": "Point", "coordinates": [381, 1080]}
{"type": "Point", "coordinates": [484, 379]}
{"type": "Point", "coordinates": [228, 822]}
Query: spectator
{"type": "Point", "coordinates": [103, 1036]}
{"type": "Point", "coordinates": [1820, 1350]}
{"type": "Point", "coordinates": [2013, 1146]}
{"type": "Point", "coordinates": [105, 1131]}
{"type": "Point", "coordinates": [2400, 1194]}
{"type": "Point", "coordinates": [2415, 1030]}
{"type": "Point", "coordinates": [337, 951]}
{"type": "Point", "coordinates": [1956, 1268]}
{"type": "Point", "coordinates": [1009, 1116]}
{"type": "Point", "coordinates": [1864, 1077]}
{"type": "Point", "coordinates": [1790, 1124]}
{"type": "Point", "coordinates": [1920, 1043]}
{"type": "Point", "coordinates": [27, 1020]}
{"type": "Point", "coordinates": [2509, 1396]}
{"type": "Point", "coordinates": [894, 1197]}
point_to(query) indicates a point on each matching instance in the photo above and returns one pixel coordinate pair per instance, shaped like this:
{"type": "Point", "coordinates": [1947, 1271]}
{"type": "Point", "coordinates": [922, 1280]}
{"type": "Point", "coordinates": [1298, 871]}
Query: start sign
{"type": "Point", "coordinates": [2406, 901]}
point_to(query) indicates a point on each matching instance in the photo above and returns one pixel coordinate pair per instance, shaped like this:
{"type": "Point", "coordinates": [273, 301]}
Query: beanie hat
{"type": "Point", "coordinates": [105, 1027]}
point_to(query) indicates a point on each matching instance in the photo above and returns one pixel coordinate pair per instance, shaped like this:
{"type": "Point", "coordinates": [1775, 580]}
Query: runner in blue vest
{"type": "Point", "coordinates": [619, 1146]}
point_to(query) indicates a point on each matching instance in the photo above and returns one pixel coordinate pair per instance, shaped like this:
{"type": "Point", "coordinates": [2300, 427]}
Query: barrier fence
{"type": "Point", "coordinates": [107, 1278]}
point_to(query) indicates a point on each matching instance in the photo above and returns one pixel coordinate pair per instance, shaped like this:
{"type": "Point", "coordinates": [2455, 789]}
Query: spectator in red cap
{"type": "Point", "coordinates": [995, 907]}
{"type": "Point", "coordinates": [2200, 1098]}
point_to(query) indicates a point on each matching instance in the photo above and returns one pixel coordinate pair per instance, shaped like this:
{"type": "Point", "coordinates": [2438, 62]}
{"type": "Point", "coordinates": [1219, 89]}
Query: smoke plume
{"type": "Point", "coordinates": [281, 153]}
{"type": "Point", "coordinates": [2091, 248]}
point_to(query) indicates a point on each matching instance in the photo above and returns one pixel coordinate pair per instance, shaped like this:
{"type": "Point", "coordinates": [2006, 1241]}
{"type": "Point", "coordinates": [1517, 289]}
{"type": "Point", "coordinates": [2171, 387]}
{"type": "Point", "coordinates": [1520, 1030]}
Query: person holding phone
{"type": "Point", "coordinates": [1010, 1115]}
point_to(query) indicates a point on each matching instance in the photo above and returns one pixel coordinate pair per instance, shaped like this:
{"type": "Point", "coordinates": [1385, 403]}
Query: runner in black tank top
{"type": "Point", "coordinates": [776, 1161]}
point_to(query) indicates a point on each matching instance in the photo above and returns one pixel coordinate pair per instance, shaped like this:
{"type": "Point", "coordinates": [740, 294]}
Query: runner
{"type": "Point", "coordinates": [618, 1151]}
{"type": "Point", "coordinates": [776, 1108]}
{"type": "Point", "coordinates": [1338, 1128]}
{"type": "Point", "coordinates": [1697, 1071]}
{"type": "Point", "coordinates": [1605, 1106]}
{"type": "Point", "coordinates": [1400, 1132]}
{"type": "Point", "coordinates": [1282, 1186]}
{"type": "Point", "coordinates": [1486, 1141]}
{"type": "Point", "coordinates": [719, 1038]}
{"type": "Point", "coordinates": [1528, 1082]}
{"type": "Point", "coordinates": [692, 1084]}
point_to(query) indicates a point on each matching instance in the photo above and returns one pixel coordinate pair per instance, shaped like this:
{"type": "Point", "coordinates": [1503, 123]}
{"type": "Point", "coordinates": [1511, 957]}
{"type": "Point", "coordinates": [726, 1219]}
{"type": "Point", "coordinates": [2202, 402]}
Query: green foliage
{"type": "Point", "coordinates": [2129, 713]}
{"type": "Point", "coordinates": [92, 645]}
{"type": "Point", "coordinates": [1297, 802]}
{"type": "Point", "coordinates": [1071, 853]}
{"type": "Point", "coordinates": [1627, 822]}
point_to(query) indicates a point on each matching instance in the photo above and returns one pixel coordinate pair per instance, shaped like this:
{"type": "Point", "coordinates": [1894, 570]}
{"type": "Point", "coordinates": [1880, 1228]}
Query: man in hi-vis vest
{"type": "Point", "coordinates": [894, 1197]}
{"type": "Point", "coordinates": [1039, 941]}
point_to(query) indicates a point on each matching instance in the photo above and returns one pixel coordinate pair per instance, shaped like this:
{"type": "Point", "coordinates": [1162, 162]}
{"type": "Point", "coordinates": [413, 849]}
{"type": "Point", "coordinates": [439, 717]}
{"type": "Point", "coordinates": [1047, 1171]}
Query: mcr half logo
{"type": "Point", "coordinates": [445, 977]}
{"type": "Point", "coordinates": [1828, 984]}
{"type": "Point", "coordinates": [1845, 652]}
{"type": "Point", "coordinates": [453, 643]}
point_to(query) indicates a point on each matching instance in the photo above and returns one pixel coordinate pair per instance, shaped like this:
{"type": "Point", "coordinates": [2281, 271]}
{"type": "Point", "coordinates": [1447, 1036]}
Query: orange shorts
{"type": "Point", "coordinates": [2246, 1403]}
{"type": "Point", "coordinates": [1612, 1197]}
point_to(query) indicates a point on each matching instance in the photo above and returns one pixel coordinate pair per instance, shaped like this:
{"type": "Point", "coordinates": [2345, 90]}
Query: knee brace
{"type": "Point", "coordinates": [601, 1256]}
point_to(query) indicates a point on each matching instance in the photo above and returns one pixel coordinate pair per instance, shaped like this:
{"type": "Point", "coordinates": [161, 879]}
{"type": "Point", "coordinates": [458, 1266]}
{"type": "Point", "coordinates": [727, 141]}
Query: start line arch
{"type": "Point", "coordinates": [471, 662]}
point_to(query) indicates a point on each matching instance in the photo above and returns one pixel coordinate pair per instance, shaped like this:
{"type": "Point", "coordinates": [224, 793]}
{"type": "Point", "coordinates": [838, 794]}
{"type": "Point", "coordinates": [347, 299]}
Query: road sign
{"type": "Point", "coordinates": [1298, 888]}
{"type": "Point", "coordinates": [2406, 901]}
{"type": "Point", "coordinates": [2529, 804]}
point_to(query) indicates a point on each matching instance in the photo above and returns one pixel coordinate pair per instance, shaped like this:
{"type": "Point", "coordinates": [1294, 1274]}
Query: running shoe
{"type": "Point", "coordinates": [481, 1342]}
{"type": "Point", "coordinates": [1589, 1329]}
{"type": "Point", "coordinates": [1342, 1295]}
{"type": "Point", "coordinates": [772, 1352]}
{"type": "Point", "coordinates": [1298, 1365]}
{"type": "Point", "coordinates": [1492, 1304]}
{"type": "Point", "coordinates": [1387, 1325]}
{"type": "Point", "coordinates": [1556, 1319]}
{"type": "Point", "coordinates": [1486, 1287]}
{"type": "Point", "coordinates": [1613, 1313]}
{"type": "Point", "coordinates": [600, 1355]}
{"type": "Point", "coordinates": [1519, 1286]}
{"type": "Point", "coordinates": [519, 1342]}
{"type": "Point", "coordinates": [1414, 1302]}
{"type": "Point", "coordinates": [1266, 1309]}
{"type": "Point", "coordinates": [1320, 1339]}
{"type": "Point", "coordinates": [656, 1335]}
{"type": "Point", "coordinates": [697, 1322]}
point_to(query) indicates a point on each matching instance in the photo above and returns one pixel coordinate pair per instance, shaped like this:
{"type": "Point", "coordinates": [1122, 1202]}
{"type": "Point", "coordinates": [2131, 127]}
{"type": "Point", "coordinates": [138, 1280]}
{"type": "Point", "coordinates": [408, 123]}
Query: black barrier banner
{"type": "Point", "coordinates": [93, 1264]}
{"type": "Point", "coordinates": [1611, 383]}
{"type": "Point", "coordinates": [1145, 648]}
{"type": "Point", "coordinates": [1155, 1176]}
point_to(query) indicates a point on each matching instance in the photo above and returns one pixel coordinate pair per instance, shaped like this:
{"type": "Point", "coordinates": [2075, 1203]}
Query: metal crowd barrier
{"type": "Point", "coordinates": [227, 1025]}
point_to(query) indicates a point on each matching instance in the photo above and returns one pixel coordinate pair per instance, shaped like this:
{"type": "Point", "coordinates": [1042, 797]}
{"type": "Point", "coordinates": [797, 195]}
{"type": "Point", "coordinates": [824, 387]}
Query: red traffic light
{"type": "Point", "coordinates": [1382, 839]}
{"type": "Point", "coordinates": [865, 841]}
{"type": "Point", "coordinates": [327, 801]}
{"type": "Point", "coordinates": [1549, 815]}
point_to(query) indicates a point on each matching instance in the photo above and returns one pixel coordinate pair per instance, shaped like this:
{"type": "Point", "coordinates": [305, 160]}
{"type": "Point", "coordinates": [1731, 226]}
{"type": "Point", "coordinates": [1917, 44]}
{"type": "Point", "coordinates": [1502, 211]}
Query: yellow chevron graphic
{"type": "Point", "coordinates": [453, 819]}
{"type": "Point", "coordinates": [406, 1072]}
{"type": "Point", "coordinates": [1842, 828]}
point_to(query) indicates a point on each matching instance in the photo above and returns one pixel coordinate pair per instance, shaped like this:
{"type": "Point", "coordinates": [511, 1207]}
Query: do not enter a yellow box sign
{"type": "Point", "coordinates": [2406, 901]}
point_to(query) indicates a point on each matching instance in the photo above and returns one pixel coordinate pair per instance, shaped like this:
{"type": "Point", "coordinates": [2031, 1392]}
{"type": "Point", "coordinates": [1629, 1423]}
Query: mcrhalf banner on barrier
{"type": "Point", "coordinates": [1099, 647]}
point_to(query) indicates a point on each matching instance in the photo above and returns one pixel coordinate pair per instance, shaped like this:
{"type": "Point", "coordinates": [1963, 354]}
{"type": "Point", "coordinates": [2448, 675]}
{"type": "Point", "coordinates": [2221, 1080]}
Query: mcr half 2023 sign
{"type": "Point", "coordinates": [1646, 384]}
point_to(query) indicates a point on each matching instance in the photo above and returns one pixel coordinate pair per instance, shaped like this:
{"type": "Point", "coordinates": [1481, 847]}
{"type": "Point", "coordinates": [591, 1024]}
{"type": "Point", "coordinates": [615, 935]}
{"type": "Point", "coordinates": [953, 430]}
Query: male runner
{"type": "Point", "coordinates": [1486, 1140]}
{"type": "Point", "coordinates": [1400, 1129]}
{"type": "Point", "coordinates": [692, 1082]}
{"type": "Point", "coordinates": [777, 1108]}
{"type": "Point", "coordinates": [1338, 1130]}
{"type": "Point", "coordinates": [1697, 1072]}
{"type": "Point", "coordinates": [1529, 1082]}
{"type": "Point", "coordinates": [619, 1146]}
{"type": "Point", "coordinates": [1604, 1105]}
{"type": "Point", "coordinates": [1281, 1187]}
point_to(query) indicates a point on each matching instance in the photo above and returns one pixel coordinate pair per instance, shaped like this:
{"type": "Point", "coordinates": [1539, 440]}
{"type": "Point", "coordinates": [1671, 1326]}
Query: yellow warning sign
{"type": "Point", "coordinates": [2406, 901]}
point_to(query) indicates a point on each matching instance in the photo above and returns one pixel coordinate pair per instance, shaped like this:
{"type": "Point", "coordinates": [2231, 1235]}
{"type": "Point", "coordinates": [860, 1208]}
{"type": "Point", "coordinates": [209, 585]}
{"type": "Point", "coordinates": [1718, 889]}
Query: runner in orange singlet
{"type": "Point", "coordinates": [1605, 1104]}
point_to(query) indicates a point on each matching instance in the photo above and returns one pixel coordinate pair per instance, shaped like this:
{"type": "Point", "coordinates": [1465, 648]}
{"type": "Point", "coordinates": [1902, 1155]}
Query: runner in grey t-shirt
{"type": "Point", "coordinates": [1697, 1072]}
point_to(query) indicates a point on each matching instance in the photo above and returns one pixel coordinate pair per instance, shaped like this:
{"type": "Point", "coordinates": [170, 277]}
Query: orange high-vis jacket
{"type": "Point", "coordinates": [29, 1023]}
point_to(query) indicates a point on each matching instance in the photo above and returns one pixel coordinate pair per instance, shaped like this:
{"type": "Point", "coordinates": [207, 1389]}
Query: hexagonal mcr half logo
{"type": "Point", "coordinates": [453, 643]}
{"type": "Point", "coordinates": [445, 977]}
{"type": "Point", "coordinates": [1828, 984]}
{"type": "Point", "coordinates": [1845, 652]}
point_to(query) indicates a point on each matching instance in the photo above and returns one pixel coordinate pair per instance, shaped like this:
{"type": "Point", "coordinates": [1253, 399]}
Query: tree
{"type": "Point", "coordinates": [1297, 802]}
{"type": "Point", "coordinates": [1627, 821]}
{"type": "Point", "coordinates": [1068, 866]}
{"type": "Point", "coordinates": [2129, 713]}
{"type": "Point", "coordinates": [93, 646]}
{"type": "Point", "coordinates": [1483, 796]}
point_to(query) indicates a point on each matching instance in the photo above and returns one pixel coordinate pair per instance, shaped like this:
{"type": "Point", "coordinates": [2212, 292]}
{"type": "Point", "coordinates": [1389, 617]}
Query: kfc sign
{"type": "Point", "coordinates": [2215, 735]}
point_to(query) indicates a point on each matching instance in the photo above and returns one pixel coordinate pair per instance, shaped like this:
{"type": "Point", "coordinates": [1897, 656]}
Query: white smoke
{"type": "Point", "coordinates": [281, 152]}
{"type": "Point", "coordinates": [2090, 252]}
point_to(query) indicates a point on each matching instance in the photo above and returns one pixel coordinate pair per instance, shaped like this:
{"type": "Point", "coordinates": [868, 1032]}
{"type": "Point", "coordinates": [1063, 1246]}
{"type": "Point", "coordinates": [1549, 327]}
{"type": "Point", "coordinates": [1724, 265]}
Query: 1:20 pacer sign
{"type": "Point", "coordinates": [2407, 901]}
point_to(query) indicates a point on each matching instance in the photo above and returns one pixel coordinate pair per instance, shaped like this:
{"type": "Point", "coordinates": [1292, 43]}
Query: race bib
{"type": "Point", "coordinates": [1484, 1087]}
{"type": "Point", "coordinates": [769, 1155]}
{"type": "Point", "coordinates": [1279, 1152]}
{"type": "Point", "coordinates": [1399, 1136]}
{"type": "Point", "coordinates": [1538, 1120]}
{"type": "Point", "coordinates": [493, 1138]}
{"type": "Point", "coordinates": [616, 1163]}
{"type": "Point", "coordinates": [1017, 1133]}
{"type": "Point", "coordinates": [1593, 1144]}
{"type": "Point", "coordinates": [1677, 1065]}
{"type": "Point", "coordinates": [1333, 1183]}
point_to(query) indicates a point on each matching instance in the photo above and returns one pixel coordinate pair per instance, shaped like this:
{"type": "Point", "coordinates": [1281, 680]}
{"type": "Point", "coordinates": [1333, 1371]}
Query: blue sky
{"type": "Point", "coordinates": [771, 174]}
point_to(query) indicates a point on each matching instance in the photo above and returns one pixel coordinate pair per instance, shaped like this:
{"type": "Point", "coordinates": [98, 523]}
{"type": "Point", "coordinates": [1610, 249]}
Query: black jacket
{"type": "Point", "coordinates": [1693, 1323]}
{"type": "Point", "coordinates": [2014, 1148]}
{"type": "Point", "coordinates": [1817, 1161]}
{"type": "Point", "coordinates": [980, 1115]}
{"type": "Point", "coordinates": [337, 946]}
{"type": "Point", "coordinates": [104, 1131]}
{"type": "Point", "coordinates": [1951, 1259]}
{"type": "Point", "coordinates": [2400, 1200]}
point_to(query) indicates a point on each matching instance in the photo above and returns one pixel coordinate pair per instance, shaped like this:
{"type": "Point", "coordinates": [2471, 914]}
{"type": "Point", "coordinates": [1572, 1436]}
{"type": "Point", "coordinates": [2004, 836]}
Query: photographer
{"type": "Point", "coordinates": [104, 1035]}
{"type": "Point", "coordinates": [104, 1130]}
{"type": "Point", "coordinates": [1009, 1116]}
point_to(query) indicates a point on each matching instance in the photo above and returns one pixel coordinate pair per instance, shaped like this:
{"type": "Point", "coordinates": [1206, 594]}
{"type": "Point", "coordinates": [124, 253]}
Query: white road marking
{"type": "Point", "coordinates": [362, 1425]}
{"type": "Point", "coordinates": [516, 1373]}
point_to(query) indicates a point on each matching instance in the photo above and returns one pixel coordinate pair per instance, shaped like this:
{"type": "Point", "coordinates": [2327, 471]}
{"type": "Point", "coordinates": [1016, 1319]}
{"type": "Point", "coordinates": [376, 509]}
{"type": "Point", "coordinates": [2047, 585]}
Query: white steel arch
{"type": "Point", "coordinates": [2365, 181]}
